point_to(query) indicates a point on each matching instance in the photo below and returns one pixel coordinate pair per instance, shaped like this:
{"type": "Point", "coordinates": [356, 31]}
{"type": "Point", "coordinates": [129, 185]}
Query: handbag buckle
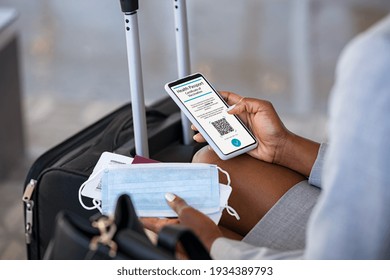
{"type": "Point", "coordinates": [107, 229]}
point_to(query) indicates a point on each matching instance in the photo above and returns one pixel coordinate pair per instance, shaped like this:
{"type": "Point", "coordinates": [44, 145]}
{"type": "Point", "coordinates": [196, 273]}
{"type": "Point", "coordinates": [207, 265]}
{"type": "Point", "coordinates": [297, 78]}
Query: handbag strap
{"type": "Point", "coordinates": [171, 235]}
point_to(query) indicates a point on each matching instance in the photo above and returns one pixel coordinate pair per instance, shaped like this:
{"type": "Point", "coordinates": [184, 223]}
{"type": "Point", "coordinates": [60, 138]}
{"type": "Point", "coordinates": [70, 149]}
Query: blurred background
{"type": "Point", "coordinates": [63, 65]}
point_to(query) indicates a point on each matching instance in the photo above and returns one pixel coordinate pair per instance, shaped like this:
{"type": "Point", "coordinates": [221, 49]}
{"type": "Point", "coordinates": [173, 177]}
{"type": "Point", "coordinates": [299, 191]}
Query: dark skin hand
{"type": "Point", "coordinates": [276, 143]}
{"type": "Point", "coordinates": [200, 224]}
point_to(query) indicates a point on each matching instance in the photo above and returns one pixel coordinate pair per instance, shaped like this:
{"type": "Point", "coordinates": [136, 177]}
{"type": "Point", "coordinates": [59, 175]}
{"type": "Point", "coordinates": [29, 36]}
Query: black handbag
{"type": "Point", "coordinates": [119, 237]}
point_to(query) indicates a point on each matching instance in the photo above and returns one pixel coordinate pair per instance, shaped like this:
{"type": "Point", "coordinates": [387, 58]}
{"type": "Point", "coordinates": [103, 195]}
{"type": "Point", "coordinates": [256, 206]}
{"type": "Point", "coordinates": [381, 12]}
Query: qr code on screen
{"type": "Point", "coordinates": [222, 126]}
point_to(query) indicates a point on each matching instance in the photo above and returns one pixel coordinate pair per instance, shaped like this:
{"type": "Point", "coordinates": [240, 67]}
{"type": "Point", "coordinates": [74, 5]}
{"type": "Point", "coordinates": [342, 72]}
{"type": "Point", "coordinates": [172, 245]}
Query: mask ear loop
{"type": "Point", "coordinates": [96, 203]}
{"type": "Point", "coordinates": [226, 173]}
{"type": "Point", "coordinates": [229, 209]}
{"type": "Point", "coordinates": [232, 212]}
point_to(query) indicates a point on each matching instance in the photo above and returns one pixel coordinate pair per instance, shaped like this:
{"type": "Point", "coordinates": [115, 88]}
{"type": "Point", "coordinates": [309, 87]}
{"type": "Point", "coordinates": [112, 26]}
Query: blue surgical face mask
{"type": "Point", "coordinates": [147, 185]}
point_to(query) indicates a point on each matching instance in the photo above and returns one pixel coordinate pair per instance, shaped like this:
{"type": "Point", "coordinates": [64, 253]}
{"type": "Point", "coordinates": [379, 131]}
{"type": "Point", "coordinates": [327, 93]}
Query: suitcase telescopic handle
{"type": "Point", "coordinates": [183, 58]}
{"type": "Point", "coordinates": [129, 8]}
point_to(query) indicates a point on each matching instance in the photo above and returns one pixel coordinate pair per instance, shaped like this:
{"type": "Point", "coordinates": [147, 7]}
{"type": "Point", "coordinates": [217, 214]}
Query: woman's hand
{"type": "Point", "coordinates": [276, 143]}
{"type": "Point", "coordinates": [203, 227]}
{"type": "Point", "coordinates": [261, 118]}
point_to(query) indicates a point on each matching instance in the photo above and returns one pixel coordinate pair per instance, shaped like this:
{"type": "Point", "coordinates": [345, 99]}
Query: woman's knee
{"type": "Point", "coordinates": [205, 155]}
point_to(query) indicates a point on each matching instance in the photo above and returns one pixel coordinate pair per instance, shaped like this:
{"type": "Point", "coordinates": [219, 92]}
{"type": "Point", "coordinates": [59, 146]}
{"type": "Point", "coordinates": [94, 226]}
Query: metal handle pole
{"type": "Point", "coordinates": [135, 76]}
{"type": "Point", "coordinates": [183, 57]}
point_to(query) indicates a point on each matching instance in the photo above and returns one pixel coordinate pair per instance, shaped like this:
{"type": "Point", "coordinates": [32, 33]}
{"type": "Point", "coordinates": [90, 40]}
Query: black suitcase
{"type": "Point", "coordinates": [53, 180]}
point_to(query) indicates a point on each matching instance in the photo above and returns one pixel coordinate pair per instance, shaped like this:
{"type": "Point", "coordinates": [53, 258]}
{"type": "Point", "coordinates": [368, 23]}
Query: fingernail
{"type": "Point", "coordinates": [170, 197]}
{"type": "Point", "coordinates": [230, 108]}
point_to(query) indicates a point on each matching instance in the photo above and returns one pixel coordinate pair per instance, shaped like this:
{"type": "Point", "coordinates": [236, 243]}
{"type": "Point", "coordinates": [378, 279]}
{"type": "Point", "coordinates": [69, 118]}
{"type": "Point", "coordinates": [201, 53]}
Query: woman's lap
{"type": "Point", "coordinates": [284, 225]}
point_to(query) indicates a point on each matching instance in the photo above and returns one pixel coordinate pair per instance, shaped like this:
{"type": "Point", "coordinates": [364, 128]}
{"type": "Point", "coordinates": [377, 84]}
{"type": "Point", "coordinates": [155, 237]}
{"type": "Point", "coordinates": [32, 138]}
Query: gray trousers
{"type": "Point", "coordinates": [284, 226]}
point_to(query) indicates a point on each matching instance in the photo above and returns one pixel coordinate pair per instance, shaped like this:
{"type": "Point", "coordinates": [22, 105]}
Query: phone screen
{"type": "Point", "coordinates": [209, 109]}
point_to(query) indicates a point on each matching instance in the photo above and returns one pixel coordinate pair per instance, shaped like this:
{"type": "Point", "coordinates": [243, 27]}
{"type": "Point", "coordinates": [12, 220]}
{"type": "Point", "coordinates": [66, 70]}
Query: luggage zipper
{"type": "Point", "coordinates": [29, 209]}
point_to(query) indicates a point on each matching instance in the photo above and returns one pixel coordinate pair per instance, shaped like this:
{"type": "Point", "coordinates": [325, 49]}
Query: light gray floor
{"type": "Point", "coordinates": [74, 67]}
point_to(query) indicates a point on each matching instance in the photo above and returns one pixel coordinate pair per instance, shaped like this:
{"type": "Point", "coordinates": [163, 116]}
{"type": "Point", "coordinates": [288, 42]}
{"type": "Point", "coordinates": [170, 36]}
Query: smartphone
{"type": "Point", "coordinates": [206, 109]}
